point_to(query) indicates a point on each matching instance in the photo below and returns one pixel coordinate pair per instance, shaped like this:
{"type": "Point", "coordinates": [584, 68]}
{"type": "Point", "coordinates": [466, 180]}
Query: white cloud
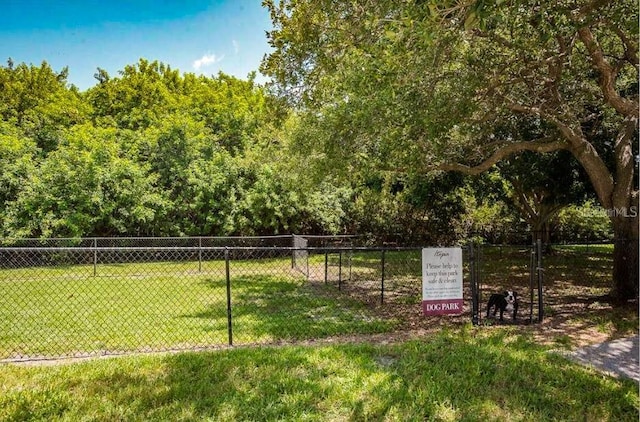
{"type": "Point", "coordinates": [207, 60]}
{"type": "Point", "coordinates": [236, 46]}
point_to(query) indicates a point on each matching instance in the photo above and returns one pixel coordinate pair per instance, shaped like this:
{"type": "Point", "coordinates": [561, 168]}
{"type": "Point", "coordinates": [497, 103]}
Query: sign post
{"type": "Point", "coordinates": [442, 281]}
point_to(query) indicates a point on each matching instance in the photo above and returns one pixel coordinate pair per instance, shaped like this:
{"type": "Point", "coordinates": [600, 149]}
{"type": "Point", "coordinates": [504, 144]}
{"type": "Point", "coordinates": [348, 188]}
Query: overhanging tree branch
{"type": "Point", "coordinates": [507, 150]}
{"type": "Point", "coordinates": [582, 149]}
{"type": "Point", "coordinates": [630, 47]}
{"type": "Point", "coordinates": [608, 75]}
{"type": "Point", "coordinates": [589, 8]}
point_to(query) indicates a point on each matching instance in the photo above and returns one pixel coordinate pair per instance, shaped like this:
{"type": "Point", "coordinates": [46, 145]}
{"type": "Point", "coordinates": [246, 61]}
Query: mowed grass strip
{"type": "Point", "coordinates": [157, 306]}
{"type": "Point", "coordinates": [450, 376]}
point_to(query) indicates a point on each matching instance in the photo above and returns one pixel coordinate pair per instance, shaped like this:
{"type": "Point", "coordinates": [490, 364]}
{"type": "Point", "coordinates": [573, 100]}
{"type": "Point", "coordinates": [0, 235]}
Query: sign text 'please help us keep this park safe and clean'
{"type": "Point", "coordinates": [441, 281]}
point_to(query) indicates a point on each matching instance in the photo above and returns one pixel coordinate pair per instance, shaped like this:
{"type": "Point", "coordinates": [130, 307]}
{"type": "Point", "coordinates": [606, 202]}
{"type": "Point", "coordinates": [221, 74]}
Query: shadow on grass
{"type": "Point", "coordinates": [609, 322]}
{"type": "Point", "coordinates": [574, 277]}
{"type": "Point", "coordinates": [449, 377]}
{"type": "Point", "coordinates": [269, 308]}
{"type": "Point", "coordinates": [581, 267]}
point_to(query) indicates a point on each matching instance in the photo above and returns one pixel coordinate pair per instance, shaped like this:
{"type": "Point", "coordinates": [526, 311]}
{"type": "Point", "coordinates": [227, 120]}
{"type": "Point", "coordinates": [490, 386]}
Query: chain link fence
{"type": "Point", "coordinates": [386, 279]}
{"type": "Point", "coordinates": [510, 268]}
{"type": "Point", "coordinates": [562, 281]}
{"type": "Point", "coordinates": [98, 300]}
{"type": "Point", "coordinates": [85, 297]}
{"type": "Point", "coordinates": [143, 242]}
{"type": "Point", "coordinates": [579, 278]}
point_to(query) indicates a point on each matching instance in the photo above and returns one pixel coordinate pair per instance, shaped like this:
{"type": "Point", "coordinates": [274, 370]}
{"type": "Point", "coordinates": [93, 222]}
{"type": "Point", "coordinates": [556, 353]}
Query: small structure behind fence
{"type": "Point", "coordinates": [300, 255]}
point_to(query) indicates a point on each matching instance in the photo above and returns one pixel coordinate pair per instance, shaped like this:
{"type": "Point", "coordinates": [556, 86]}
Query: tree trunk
{"type": "Point", "coordinates": [541, 230]}
{"type": "Point", "coordinates": [625, 256]}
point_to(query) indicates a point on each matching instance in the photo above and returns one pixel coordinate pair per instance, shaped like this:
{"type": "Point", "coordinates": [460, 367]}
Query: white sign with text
{"type": "Point", "coordinates": [442, 281]}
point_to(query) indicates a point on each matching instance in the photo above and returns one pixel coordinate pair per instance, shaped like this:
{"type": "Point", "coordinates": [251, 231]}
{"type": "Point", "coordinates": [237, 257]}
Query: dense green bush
{"type": "Point", "coordinates": [583, 222]}
{"type": "Point", "coordinates": [156, 152]}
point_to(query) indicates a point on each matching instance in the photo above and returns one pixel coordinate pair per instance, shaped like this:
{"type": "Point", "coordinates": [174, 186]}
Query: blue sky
{"type": "Point", "coordinates": [191, 35]}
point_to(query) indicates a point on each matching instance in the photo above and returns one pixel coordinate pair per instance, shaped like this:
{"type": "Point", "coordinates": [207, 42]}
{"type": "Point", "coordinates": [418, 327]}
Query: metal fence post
{"type": "Point", "coordinates": [293, 250]}
{"type": "Point", "coordinates": [382, 264]}
{"type": "Point", "coordinates": [95, 256]}
{"type": "Point", "coordinates": [532, 270]}
{"type": "Point", "coordinates": [539, 270]}
{"type": "Point", "coordinates": [350, 258]}
{"type": "Point", "coordinates": [478, 271]}
{"type": "Point", "coordinates": [340, 270]}
{"type": "Point", "coordinates": [229, 313]}
{"type": "Point", "coordinates": [326, 266]}
{"type": "Point", "coordinates": [307, 260]}
{"type": "Point", "coordinates": [474, 284]}
{"type": "Point", "coordinates": [199, 254]}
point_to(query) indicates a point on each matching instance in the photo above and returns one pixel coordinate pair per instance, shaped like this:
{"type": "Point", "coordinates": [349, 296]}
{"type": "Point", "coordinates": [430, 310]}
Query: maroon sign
{"type": "Point", "coordinates": [442, 307]}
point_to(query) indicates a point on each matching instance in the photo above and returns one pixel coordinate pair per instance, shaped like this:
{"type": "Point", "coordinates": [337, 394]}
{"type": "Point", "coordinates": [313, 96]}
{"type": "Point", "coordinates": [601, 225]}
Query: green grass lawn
{"type": "Point", "coordinates": [167, 305]}
{"type": "Point", "coordinates": [464, 375]}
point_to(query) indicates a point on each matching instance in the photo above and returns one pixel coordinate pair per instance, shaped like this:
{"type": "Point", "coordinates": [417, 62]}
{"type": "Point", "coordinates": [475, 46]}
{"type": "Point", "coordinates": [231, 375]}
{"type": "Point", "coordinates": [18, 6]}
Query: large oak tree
{"type": "Point", "coordinates": [420, 85]}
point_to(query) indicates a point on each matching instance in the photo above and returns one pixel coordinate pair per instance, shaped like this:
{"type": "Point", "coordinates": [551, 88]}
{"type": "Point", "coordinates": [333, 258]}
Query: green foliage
{"type": "Point", "coordinates": [87, 185]}
{"type": "Point", "coordinates": [415, 209]}
{"type": "Point", "coordinates": [138, 98]}
{"type": "Point", "coordinates": [37, 100]}
{"type": "Point", "coordinates": [486, 219]}
{"type": "Point", "coordinates": [150, 151]}
{"type": "Point", "coordinates": [18, 155]}
{"type": "Point", "coordinates": [384, 92]}
{"type": "Point", "coordinates": [147, 93]}
{"type": "Point", "coordinates": [269, 206]}
{"type": "Point", "coordinates": [584, 222]}
{"type": "Point", "coordinates": [412, 86]}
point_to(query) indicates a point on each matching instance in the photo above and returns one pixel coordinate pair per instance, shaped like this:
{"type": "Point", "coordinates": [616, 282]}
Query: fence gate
{"type": "Point", "coordinates": [536, 272]}
{"type": "Point", "coordinates": [492, 270]}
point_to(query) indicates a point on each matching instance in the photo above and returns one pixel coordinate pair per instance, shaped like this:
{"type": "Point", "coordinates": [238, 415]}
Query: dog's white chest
{"type": "Point", "coordinates": [509, 307]}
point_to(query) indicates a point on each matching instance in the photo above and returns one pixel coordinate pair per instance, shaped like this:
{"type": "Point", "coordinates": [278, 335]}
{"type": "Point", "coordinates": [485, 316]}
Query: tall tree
{"type": "Point", "coordinates": [423, 84]}
{"type": "Point", "coordinates": [38, 101]}
{"type": "Point", "coordinates": [87, 186]}
{"type": "Point", "coordinates": [539, 186]}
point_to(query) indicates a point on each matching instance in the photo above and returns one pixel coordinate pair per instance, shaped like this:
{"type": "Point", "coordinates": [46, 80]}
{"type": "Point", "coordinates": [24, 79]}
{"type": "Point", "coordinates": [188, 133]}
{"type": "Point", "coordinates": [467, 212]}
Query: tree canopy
{"type": "Point", "coordinates": [377, 116]}
{"type": "Point", "coordinates": [149, 151]}
{"type": "Point", "coordinates": [416, 86]}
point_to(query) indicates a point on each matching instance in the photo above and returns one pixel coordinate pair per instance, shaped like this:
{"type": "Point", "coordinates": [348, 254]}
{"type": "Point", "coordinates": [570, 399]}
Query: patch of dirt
{"type": "Point", "coordinates": [574, 316]}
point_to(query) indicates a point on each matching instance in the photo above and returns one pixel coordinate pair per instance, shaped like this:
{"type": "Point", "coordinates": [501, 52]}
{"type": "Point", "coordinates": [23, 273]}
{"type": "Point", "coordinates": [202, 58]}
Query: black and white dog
{"type": "Point", "coordinates": [507, 301]}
